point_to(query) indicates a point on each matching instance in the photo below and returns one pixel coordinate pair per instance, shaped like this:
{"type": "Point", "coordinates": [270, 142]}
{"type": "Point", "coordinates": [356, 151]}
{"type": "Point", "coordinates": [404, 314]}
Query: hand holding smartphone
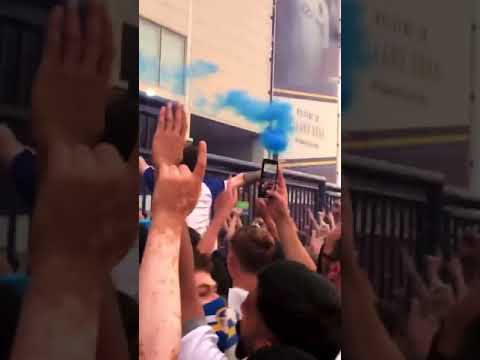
{"type": "Point", "coordinates": [268, 178]}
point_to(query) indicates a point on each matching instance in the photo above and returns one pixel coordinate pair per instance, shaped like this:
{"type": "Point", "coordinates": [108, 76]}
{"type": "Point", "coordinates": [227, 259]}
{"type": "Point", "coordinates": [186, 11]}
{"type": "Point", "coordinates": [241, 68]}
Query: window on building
{"type": "Point", "coordinates": [162, 57]}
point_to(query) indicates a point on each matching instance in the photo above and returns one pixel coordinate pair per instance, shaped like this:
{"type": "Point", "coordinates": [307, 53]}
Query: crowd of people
{"type": "Point", "coordinates": [212, 283]}
{"type": "Point", "coordinates": [436, 317]}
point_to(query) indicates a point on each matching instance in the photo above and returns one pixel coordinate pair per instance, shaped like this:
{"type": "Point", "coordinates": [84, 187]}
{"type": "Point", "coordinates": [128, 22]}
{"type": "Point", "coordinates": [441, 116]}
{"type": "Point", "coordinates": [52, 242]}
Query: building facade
{"type": "Point", "coordinates": [237, 38]}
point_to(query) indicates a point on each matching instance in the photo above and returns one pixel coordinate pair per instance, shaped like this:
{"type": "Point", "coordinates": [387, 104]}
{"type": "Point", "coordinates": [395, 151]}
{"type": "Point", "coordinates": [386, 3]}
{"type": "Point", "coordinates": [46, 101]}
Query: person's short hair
{"type": "Point", "coordinates": [253, 247]}
{"type": "Point", "coordinates": [279, 352]}
{"type": "Point", "coordinates": [301, 308]}
{"type": "Point", "coordinates": [202, 262]}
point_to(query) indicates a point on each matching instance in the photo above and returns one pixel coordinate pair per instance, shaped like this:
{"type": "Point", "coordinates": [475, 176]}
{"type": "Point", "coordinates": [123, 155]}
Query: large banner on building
{"type": "Point", "coordinates": [307, 48]}
{"type": "Point", "coordinates": [419, 67]}
{"type": "Point", "coordinates": [316, 130]}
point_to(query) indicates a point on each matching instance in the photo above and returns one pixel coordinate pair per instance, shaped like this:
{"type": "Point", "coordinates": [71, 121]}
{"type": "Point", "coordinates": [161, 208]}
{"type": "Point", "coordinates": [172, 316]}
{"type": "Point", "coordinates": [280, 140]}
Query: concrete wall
{"type": "Point", "coordinates": [235, 35]}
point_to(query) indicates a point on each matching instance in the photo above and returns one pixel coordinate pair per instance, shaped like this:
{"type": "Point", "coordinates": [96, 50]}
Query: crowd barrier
{"type": "Point", "coordinates": [396, 206]}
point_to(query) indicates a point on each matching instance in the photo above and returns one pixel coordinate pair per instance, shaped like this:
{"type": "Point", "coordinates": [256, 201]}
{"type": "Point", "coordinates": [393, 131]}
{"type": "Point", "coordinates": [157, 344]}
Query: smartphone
{"type": "Point", "coordinates": [268, 179]}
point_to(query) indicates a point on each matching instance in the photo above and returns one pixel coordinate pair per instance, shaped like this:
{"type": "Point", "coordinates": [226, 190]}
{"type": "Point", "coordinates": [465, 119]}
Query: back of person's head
{"type": "Point", "coordinates": [279, 352]}
{"type": "Point", "coordinates": [301, 308]}
{"type": "Point", "coordinates": [202, 262]}
{"type": "Point", "coordinates": [253, 248]}
{"type": "Point", "coordinates": [190, 154]}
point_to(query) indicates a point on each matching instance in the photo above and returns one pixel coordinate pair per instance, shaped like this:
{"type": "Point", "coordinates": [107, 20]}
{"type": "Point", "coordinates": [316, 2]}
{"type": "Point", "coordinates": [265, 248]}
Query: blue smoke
{"type": "Point", "coordinates": [173, 77]}
{"type": "Point", "coordinates": [354, 50]}
{"type": "Point", "coordinates": [277, 117]}
{"type": "Point", "coordinates": [201, 68]}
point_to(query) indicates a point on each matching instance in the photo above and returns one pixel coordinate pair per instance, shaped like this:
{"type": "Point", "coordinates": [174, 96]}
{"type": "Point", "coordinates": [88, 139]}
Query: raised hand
{"type": "Point", "coordinates": [71, 87]}
{"type": "Point", "coordinates": [421, 328]}
{"type": "Point", "coordinates": [454, 266]}
{"type": "Point", "coordinates": [177, 189]}
{"type": "Point", "coordinates": [434, 264]}
{"type": "Point", "coordinates": [332, 239]}
{"type": "Point", "coordinates": [169, 137]}
{"type": "Point", "coordinates": [263, 212]}
{"type": "Point", "coordinates": [277, 202]}
{"type": "Point", "coordinates": [320, 226]}
{"type": "Point", "coordinates": [74, 220]}
{"type": "Point", "coordinates": [227, 200]}
{"type": "Point", "coordinates": [316, 242]}
{"type": "Point", "coordinates": [411, 270]}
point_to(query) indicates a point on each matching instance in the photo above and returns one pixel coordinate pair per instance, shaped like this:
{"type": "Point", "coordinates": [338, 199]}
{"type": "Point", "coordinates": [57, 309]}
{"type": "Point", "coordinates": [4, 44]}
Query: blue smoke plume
{"type": "Point", "coordinates": [277, 117]}
{"type": "Point", "coordinates": [201, 68]}
{"type": "Point", "coordinates": [354, 50]}
{"type": "Point", "coordinates": [177, 76]}
{"type": "Point", "coordinates": [174, 77]}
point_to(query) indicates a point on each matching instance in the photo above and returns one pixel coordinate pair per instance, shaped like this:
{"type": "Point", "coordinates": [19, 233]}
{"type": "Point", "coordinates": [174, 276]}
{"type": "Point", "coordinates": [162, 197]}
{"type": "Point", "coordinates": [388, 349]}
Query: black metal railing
{"type": "Point", "coordinates": [396, 206]}
{"type": "Point", "coordinates": [305, 191]}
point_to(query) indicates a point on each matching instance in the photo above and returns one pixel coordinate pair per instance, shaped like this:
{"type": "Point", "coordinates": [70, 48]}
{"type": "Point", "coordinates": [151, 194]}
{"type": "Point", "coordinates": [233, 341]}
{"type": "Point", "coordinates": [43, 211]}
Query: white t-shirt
{"type": "Point", "coordinates": [200, 344]}
{"type": "Point", "coordinates": [199, 218]}
{"type": "Point", "coordinates": [236, 297]}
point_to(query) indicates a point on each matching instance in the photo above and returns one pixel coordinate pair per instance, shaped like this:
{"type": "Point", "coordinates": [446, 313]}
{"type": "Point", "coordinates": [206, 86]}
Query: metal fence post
{"type": "Point", "coordinates": [322, 193]}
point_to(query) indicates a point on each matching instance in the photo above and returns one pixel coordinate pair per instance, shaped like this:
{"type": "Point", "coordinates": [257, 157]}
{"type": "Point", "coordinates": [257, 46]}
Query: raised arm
{"type": "Point", "coordinates": [277, 207]}
{"type": "Point", "coordinates": [245, 179]}
{"type": "Point", "coordinates": [176, 193]}
{"type": "Point", "coordinates": [70, 257]}
{"type": "Point", "coordinates": [223, 207]}
{"type": "Point", "coordinates": [192, 310]}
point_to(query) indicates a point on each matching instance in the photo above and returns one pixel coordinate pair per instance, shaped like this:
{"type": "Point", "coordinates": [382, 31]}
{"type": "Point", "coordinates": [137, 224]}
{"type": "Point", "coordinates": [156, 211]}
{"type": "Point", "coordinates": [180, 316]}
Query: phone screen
{"type": "Point", "coordinates": [269, 177]}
